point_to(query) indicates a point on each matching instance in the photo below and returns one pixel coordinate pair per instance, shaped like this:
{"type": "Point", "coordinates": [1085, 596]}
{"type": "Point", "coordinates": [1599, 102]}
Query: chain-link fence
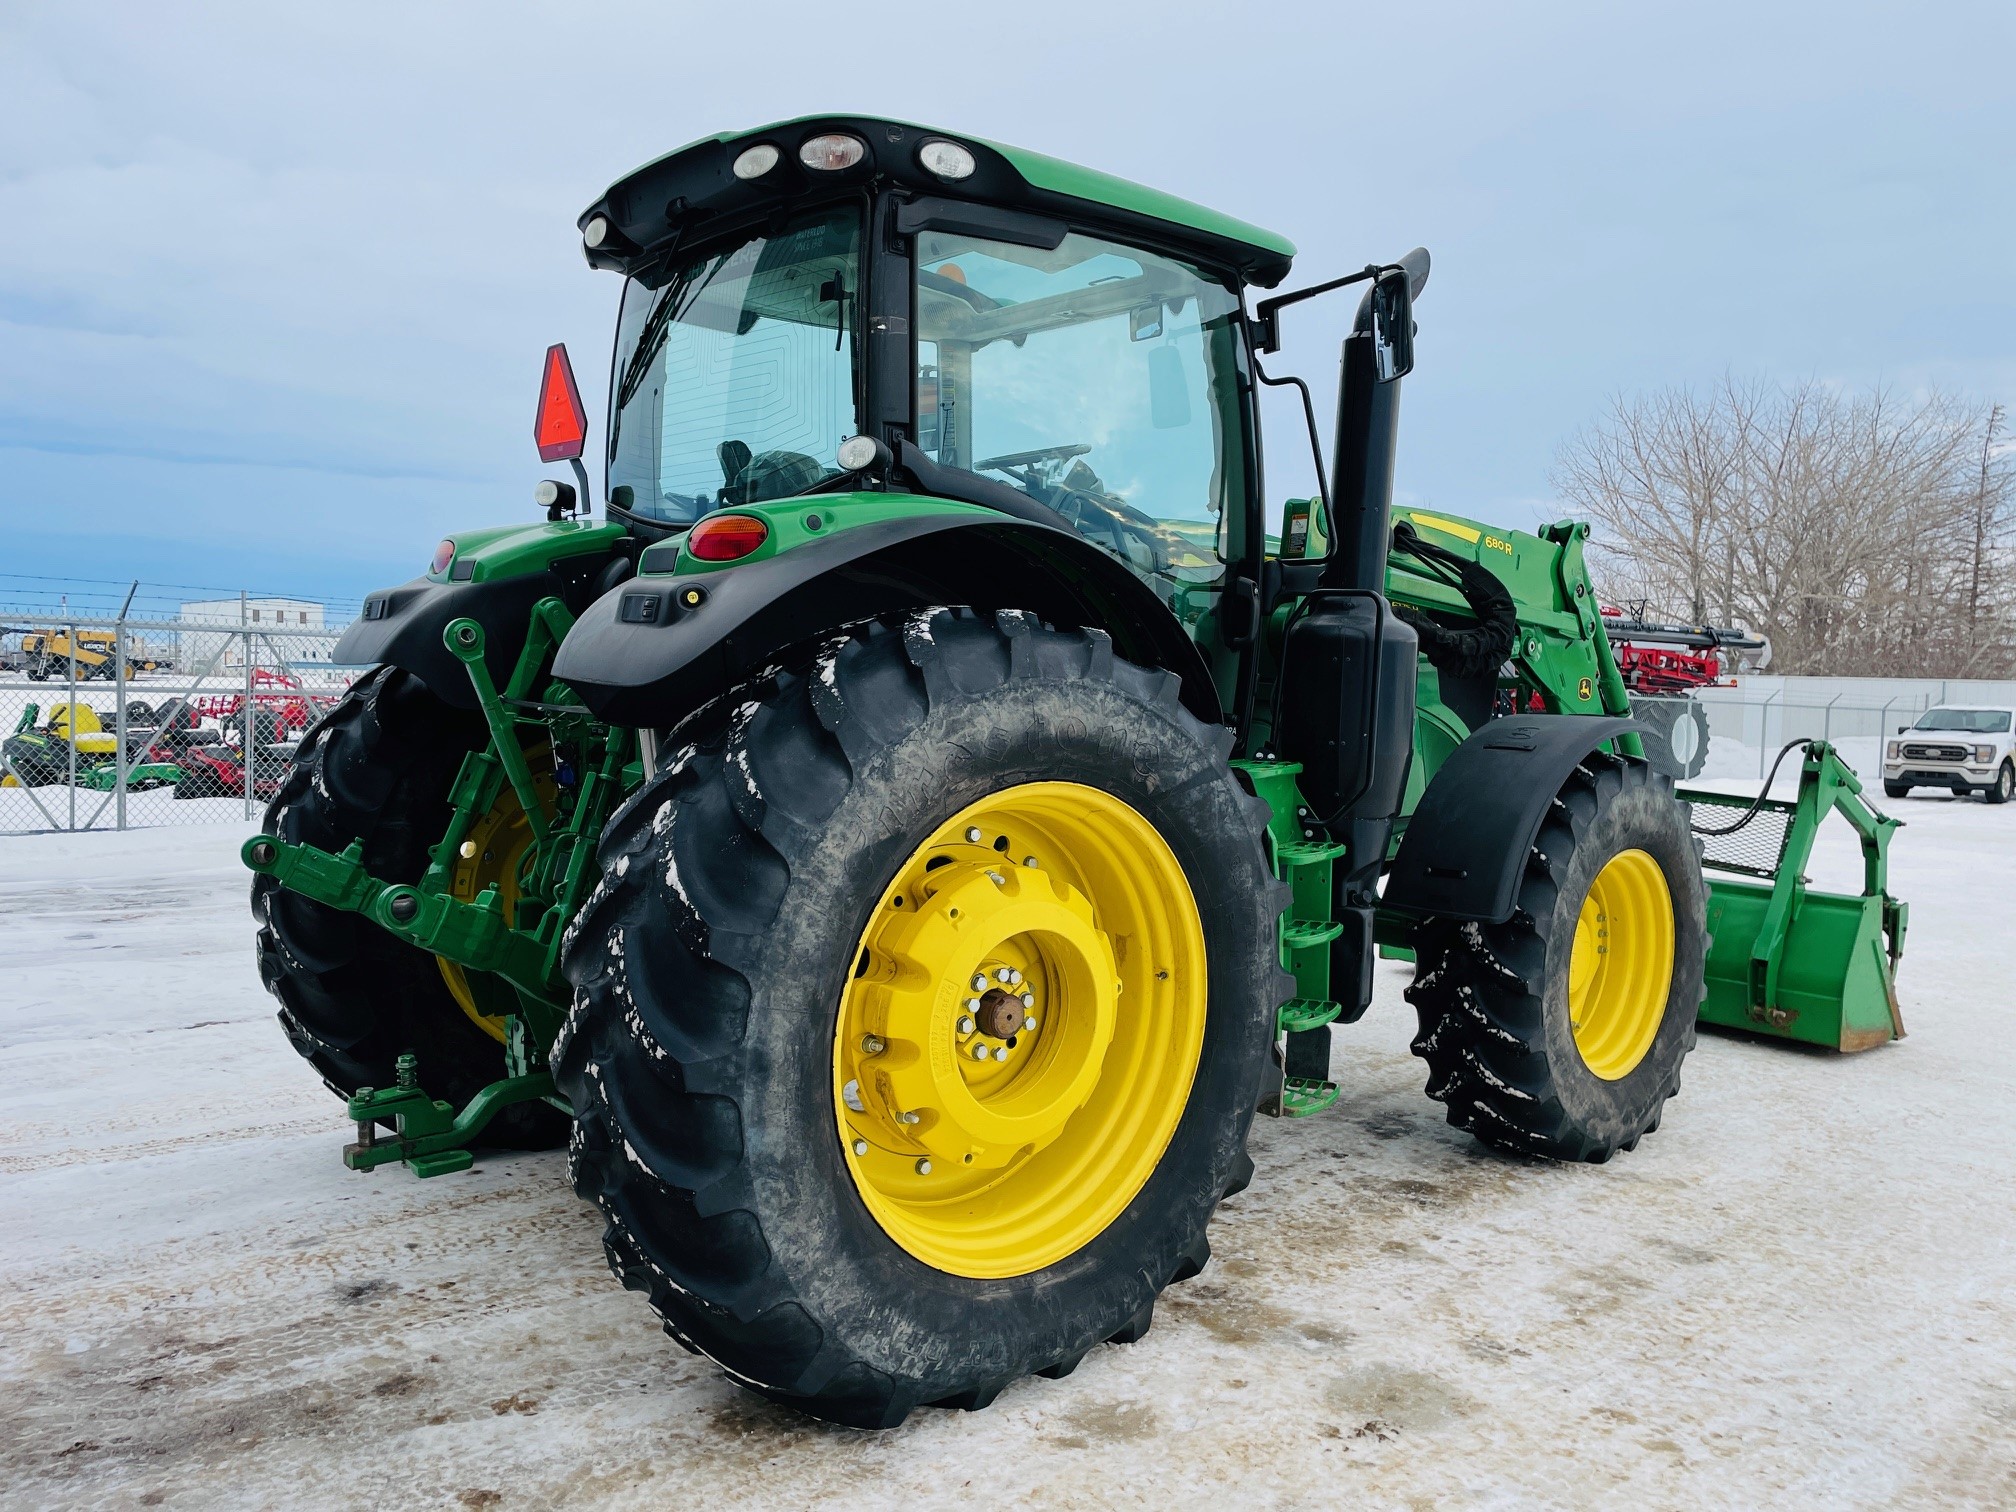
{"type": "Point", "coordinates": [113, 724]}
{"type": "Point", "coordinates": [1749, 723]}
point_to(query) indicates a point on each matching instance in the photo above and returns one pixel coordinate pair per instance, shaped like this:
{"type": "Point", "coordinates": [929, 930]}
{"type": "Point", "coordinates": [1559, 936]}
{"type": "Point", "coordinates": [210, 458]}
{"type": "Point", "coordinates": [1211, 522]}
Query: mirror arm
{"type": "Point", "coordinates": [1309, 415]}
{"type": "Point", "coordinates": [1266, 314]}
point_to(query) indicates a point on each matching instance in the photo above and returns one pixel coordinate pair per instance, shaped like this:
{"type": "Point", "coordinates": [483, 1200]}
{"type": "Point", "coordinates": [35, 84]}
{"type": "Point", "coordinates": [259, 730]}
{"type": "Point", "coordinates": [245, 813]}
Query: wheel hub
{"type": "Point", "coordinates": [958, 1075]}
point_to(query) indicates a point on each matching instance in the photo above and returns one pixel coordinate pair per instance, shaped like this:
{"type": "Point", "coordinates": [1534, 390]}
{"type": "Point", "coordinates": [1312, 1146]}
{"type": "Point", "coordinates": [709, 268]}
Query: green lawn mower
{"type": "Point", "coordinates": [898, 846]}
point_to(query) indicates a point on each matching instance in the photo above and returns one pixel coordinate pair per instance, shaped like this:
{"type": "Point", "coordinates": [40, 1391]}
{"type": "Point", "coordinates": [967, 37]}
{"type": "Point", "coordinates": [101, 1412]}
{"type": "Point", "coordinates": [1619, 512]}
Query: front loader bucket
{"type": "Point", "coordinates": [1834, 986]}
{"type": "Point", "coordinates": [1785, 960]}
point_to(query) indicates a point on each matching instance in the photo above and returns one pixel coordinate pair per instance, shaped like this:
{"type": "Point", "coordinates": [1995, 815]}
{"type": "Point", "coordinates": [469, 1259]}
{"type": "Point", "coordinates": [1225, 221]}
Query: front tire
{"type": "Point", "coordinates": [1560, 1032]}
{"type": "Point", "coordinates": [1896, 790]}
{"type": "Point", "coordinates": [737, 972]}
{"type": "Point", "coordinates": [2004, 784]}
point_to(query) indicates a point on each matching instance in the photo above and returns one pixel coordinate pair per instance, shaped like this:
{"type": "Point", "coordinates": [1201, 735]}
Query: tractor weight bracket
{"type": "Point", "coordinates": [431, 1136]}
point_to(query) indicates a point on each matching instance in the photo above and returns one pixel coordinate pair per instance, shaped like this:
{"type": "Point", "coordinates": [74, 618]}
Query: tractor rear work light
{"type": "Point", "coordinates": [833, 151]}
{"type": "Point", "coordinates": [561, 426]}
{"type": "Point", "coordinates": [726, 537]}
{"type": "Point", "coordinates": [946, 159]}
{"type": "Point", "coordinates": [596, 232]}
{"type": "Point", "coordinates": [754, 162]}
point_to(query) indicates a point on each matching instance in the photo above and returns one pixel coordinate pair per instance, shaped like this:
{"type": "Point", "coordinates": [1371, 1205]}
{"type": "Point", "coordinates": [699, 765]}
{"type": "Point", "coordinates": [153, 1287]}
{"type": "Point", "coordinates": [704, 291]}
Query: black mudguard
{"type": "Point", "coordinates": [1465, 847]}
{"type": "Point", "coordinates": [403, 625]}
{"type": "Point", "coordinates": [643, 656]}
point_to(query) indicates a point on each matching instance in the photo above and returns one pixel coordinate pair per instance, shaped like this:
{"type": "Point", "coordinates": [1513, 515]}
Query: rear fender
{"type": "Point", "coordinates": [647, 653]}
{"type": "Point", "coordinates": [494, 578]}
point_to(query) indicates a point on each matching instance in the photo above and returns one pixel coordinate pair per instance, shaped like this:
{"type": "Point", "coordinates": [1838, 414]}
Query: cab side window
{"type": "Point", "coordinates": [1100, 379]}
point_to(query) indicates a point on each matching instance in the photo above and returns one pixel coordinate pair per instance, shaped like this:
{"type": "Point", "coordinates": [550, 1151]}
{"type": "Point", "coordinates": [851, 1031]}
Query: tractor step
{"type": "Point", "coordinates": [1302, 1096]}
{"type": "Point", "coordinates": [1302, 934]}
{"type": "Point", "coordinates": [1298, 1014]}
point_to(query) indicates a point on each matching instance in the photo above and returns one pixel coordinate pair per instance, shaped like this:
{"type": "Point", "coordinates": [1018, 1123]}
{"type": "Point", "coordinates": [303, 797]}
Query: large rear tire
{"type": "Point", "coordinates": [1561, 1031]}
{"type": "Point", "coordinates": [802, 1161]}
{"type": "Point", "coordinates": [352, 997]}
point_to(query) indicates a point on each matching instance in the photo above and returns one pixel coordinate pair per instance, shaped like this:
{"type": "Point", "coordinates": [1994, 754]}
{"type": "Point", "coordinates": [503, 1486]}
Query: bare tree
{"type": "Point", "coordinates": [1861, 533]}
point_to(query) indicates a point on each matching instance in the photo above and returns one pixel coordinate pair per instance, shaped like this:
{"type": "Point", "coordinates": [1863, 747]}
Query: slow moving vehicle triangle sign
{"type": "Point", "coordinates": [561, 426]}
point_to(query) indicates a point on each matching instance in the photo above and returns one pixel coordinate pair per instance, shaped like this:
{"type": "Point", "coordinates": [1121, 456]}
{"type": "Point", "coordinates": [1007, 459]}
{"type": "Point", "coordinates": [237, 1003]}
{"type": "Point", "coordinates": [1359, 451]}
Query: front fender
{"type": "Point", "coordinates": [1466, 844]}
{"type": "Point", "coordinates": [647, 653]}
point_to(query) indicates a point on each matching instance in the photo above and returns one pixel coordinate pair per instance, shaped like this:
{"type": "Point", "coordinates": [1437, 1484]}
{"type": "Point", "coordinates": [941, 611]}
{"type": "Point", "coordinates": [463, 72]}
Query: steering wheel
{"type": "Point", "coordinates": [1030, 458]}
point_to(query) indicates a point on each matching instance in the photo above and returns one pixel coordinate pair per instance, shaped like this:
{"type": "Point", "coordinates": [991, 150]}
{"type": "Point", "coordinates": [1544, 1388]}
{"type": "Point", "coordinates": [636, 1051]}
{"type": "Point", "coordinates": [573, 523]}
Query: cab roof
{"type": "Point", "coordinates": [688, 190]}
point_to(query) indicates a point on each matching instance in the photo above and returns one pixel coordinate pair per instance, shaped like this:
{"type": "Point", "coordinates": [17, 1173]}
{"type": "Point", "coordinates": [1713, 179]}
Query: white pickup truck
{"type": "Point", "coordinates": [1966, 749]}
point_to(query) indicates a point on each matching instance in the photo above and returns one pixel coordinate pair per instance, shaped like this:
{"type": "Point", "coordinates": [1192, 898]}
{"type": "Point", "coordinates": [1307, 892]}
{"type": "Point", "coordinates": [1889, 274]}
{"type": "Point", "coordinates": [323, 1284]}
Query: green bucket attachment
{"type": "Point", "coordinates": [1785, 960]}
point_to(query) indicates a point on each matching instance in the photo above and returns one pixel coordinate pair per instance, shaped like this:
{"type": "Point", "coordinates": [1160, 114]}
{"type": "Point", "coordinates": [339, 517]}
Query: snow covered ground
{"type": "Point", "coordinates": [1800, 1293]}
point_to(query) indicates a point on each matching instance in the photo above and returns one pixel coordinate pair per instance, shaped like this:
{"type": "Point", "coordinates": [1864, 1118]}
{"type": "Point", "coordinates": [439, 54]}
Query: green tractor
{"type": "Point", "coordinates": [899, 847]}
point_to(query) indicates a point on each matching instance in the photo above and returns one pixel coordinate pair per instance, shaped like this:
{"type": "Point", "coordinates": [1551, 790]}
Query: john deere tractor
{"type": "Point", "coordinates": [899, 845]}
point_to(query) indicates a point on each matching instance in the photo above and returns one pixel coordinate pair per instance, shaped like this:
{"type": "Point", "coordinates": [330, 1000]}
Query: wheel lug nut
{"type": "Point", "coordinates": [1015, 979]}
{"type": "Point", "coordinates": [1029, 1023]}
{"type": "Point", "coordinates": [1000, 1052]}
{"type": "Point", "coordinates": [1003, 974]}
{"type": "Point", "coordinates": [1028, 1000]}
{"type": "Point", "coordinates": [1028, 860]}
{"type": "Point", "coordinates": [908, 1118]}
{"type": "Point", "coordinates": [979, 984]}
{"type": "Point", "coordinates": [973, 835]}
{"type": "Point", "coordinates": [860, 1147]}
{"type": "Point", "coordinates": [873, 1044]}
{"type": "Point", "coordinates": [924, 1165]}
{"type": "Point", "coordinates": [966, 1022]}
{"type": "Point", "coordinates": [851, 1095]}
{"type": "Point", "coordinates": [979, 1052]}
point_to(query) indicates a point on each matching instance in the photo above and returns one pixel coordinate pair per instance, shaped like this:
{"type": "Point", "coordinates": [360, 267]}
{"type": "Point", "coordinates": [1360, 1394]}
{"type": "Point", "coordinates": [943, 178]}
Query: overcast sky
{"type": "Point", "coordinates": [275, 280]}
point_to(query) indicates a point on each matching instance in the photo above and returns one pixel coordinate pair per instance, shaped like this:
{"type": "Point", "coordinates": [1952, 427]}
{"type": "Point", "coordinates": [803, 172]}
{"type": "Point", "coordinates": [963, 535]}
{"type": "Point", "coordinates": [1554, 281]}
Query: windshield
{"type": "Point", "coordinates": [1098, 378]}
{"type": "Point", "coordinates": [1974, 721]}
{"type": "Point", "coordinates": [734, 375]}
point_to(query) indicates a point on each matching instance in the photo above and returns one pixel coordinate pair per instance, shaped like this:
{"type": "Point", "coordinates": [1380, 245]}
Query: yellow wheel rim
{"type": "Point", "coordinates": [490, 856]}
{"type": "Point", "coordinates": [1017, 1044]}
{"type": "Point", "coordinates": [1621, 965]}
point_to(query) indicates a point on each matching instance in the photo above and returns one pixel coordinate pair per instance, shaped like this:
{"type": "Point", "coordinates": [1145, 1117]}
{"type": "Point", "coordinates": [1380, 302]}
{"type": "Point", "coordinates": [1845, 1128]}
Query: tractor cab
{"type": "Point", "coordinates": [1005, 330]}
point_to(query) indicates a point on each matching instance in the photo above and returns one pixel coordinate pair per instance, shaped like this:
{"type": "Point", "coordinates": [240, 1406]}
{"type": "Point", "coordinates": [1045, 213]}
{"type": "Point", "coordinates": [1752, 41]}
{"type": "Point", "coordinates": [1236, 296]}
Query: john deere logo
{"type": "Point", "coordinates": [1582, 690]}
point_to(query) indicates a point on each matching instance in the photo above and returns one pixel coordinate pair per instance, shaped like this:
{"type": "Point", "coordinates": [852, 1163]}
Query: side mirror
{"type": "Point", "coordinates": [1393, 325]}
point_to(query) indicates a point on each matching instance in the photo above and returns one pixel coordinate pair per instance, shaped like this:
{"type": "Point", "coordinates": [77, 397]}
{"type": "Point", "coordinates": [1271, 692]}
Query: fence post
{"type": "Point", "coordinates": [70, 720]}
{"type": "Point", "coordinates": [248, 724]}
{"type": "Point", "coordinates": [122, 771]}
{"type": "Point", "coordinates": [1827, 719]}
